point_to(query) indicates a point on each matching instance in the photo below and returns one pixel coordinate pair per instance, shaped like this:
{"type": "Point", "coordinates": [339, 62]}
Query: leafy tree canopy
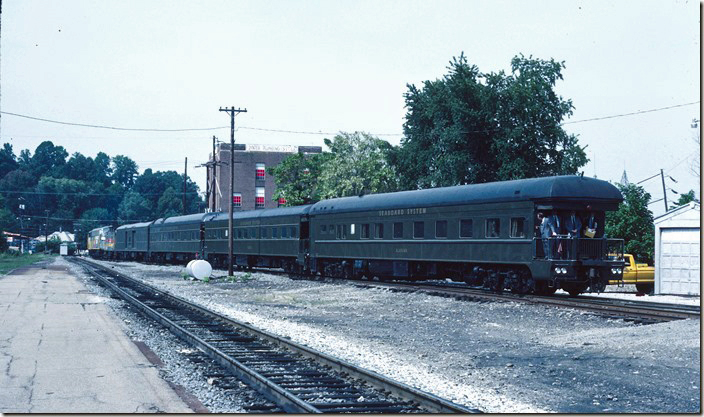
{"type": "Point", "coordinates": [686, 198]}
{"type": "Point", "coordinates": [8, 161]}
{"type": "Point", "coordinates": [124, 171]}
{"type": "Point", "coordinates": [357, 164]}
{"type": "Point", "coordinates": [297, 178]}
{"type": "Point", "coordinates": [633, 222]}
{"type": "Point", "coordinates": [48, 159]}
{"type": "Point", "coordinates": [473, 127]}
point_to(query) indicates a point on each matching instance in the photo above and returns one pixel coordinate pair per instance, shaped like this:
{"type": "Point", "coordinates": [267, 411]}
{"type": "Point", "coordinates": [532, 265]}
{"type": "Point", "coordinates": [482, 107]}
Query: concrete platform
{"type": "Point", "coordinates": [61, 351]}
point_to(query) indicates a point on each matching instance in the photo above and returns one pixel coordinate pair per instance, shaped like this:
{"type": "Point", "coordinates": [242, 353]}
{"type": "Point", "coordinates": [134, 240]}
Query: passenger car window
{"type": "Point", "coordinates": [274, 232]}
{"type": "Point", "coordinates": [398, 230]}
{"type": "Point", "coordinates": [517, 227]}
{"type": "Point", "coordinates": [441, 228]}
{"type": "Point", "coordinates": [466, 228]}
{"type": "Point", "coordinates": [418, 230]}
{"type": "Point", "coordinates": [365, 231]}
{"type": "Point", "coordinates": [493, 228]}
{"type": "Point", "coordinates": [379, 232]}
{"type": "Point", "coordinates": [294, 231]}
{"type": "Point", "coordinates": [284, 232]}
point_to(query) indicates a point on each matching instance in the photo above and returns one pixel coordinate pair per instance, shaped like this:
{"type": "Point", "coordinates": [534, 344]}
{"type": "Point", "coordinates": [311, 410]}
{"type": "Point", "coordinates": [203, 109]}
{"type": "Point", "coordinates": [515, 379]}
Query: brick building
{"type": "Point", "coordinates": [254, 187]}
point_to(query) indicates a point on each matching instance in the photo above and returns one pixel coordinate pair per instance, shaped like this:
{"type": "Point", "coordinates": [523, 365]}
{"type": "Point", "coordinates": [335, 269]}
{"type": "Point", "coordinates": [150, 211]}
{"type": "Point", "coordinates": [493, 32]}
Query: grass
{"type": "Point", "coordinates": [9, 262]}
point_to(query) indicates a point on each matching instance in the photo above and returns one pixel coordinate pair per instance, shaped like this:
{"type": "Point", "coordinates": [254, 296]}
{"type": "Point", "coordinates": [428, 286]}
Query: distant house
{"type": "Point", "coordinates": [62, 236]}
{"type": "Point", "coordinates": [677, 256]}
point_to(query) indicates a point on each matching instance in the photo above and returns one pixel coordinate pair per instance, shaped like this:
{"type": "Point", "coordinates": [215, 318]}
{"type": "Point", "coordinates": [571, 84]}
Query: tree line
{"type": "Point", "coordinates": [79, 193]}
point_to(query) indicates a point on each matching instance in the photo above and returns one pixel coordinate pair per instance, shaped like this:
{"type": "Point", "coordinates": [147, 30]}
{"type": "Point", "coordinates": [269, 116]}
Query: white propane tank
{"type": "Point", "coordinates": [199, 269]}
{"type": "Point", "coordinates": [188, 267]}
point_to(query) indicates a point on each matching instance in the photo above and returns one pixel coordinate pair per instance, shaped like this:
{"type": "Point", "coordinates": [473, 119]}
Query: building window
{"type": "Point", "coordinates": [259, 197]}
{"type": "Point", "coordinates": [517, 229]}
{"type": "Point", "coordinates": [493, 226]}
{"type": "Point", "coordinates": [260, 171]}
{"type": "Point", "coordinates": [418, 230]}
{"type": "Point", "coordinates": [237, 199]}
{"type": "Point", "coordinates": [398, 230]}
{"type": "Point", "coordinates": [441, 228]}
{"type": "Point", "coordinates": [466, 228]}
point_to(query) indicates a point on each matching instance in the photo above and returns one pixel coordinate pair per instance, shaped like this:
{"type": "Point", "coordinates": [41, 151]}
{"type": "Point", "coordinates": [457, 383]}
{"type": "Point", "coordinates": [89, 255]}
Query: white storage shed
{"type": "Point", "coordinates": [677, 256]}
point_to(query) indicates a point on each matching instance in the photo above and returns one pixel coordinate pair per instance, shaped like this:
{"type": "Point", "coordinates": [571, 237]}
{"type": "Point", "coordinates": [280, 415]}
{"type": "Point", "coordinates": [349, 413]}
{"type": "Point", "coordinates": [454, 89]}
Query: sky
{"type": "Point", "coordinates": [305, 70]}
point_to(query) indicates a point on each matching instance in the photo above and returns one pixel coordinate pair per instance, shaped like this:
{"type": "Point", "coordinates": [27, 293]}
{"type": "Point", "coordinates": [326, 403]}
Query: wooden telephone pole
{"type": "Point", "coordinates": [230, 243]}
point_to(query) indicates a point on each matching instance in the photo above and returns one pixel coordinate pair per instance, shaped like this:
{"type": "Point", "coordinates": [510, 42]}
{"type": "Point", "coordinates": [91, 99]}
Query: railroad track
{"type": "Point", "coordinates": [293, 377]}
{"type": "Point", "coordinates": [637, 311]}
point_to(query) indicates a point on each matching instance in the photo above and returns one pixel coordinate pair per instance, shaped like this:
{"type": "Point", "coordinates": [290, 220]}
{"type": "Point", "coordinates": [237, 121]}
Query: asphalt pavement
{"type": "Point", "coordinates": [63, 351]}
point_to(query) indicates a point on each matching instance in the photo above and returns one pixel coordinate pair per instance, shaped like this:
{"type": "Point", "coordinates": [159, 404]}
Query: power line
{"type": "Point", "coordinates": [630, 114]}
{"type": "Point", "coordinates": [110, 127]}
{"type": "Point", "coordinates": [320, 132]}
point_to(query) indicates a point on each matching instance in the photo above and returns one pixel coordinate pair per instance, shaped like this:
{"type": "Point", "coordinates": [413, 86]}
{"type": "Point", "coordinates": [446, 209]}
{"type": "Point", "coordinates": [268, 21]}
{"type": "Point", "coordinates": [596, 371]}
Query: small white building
{"type": "Point", "coordinates": [677, 251]}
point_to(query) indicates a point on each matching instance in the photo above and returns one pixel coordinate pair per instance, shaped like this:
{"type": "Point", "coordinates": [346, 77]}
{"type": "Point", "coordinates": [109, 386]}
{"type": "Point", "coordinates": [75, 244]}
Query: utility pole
{"type": "Point", "coordinates": [664, 190]}
{"type": "Point", "coordinates": [215, 175]}
{"type": "Point", "coordinates": [46, 232]}
{"type": "Point", "coordinates": [185, 175]}
{"type": "Point", "coordinates": [230, 243]}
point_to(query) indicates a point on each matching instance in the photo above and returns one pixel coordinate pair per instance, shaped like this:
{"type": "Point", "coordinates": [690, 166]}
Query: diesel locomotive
{"type": "Point", "coordinates": [481, 234]}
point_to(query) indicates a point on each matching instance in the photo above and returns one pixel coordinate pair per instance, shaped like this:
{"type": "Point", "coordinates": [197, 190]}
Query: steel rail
{"type": "Point", "coordinates": [287, 401]}
{"type": "Point", "coordinates": [631, 309]}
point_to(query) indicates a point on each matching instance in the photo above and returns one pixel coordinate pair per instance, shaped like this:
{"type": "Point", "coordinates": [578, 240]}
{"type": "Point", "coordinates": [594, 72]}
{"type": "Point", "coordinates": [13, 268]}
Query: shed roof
{"type": "Point", "coordinates": [568, 187]}
{"type": "Point", "coordinates": [680, 211]}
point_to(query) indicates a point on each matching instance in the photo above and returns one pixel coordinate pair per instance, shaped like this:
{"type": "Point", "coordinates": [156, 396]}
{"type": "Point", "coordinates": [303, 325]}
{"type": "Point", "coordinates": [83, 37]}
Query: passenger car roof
{"type": "Point", "coordinates": [265, 213]}
{"type": "Point", "coordinates": [563, 188]}
{"type": "Point", "coordinates": [189, 218]}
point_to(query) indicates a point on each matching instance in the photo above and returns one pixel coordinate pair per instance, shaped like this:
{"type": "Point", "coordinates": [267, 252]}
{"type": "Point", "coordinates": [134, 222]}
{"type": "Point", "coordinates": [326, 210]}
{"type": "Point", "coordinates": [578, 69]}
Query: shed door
{"type": "Point", "coordinates": [679, 261]}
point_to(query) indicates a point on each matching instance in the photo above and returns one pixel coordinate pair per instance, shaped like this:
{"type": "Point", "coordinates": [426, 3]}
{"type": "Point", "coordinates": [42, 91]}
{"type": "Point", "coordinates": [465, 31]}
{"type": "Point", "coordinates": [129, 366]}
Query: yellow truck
{"type": "Point", "coordinates": [642, 275]}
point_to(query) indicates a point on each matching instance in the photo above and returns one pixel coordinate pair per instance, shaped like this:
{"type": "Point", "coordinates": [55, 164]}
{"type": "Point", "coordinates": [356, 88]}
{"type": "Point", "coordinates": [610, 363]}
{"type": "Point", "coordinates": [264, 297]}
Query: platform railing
{"type": "Point", "coordinates": [567, 248]}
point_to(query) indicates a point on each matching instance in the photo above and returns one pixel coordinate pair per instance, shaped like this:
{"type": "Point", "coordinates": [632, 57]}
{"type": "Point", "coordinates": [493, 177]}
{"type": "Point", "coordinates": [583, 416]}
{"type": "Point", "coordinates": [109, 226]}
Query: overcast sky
{"type": "Point", "coordinates": [330, 66]}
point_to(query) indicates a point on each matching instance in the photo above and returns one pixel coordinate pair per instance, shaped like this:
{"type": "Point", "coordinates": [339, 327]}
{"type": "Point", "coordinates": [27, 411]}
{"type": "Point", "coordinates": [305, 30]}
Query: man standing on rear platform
{"type": "Point", "coordinates": [573, 224]}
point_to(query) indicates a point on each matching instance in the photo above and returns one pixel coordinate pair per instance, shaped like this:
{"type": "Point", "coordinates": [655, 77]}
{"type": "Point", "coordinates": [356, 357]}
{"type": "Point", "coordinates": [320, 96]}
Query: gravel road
{"type": "Point", "coordinates": [499, 357]}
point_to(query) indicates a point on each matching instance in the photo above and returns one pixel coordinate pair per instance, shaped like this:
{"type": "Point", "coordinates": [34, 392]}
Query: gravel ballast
{"type": "Point", "coordinates": [498, 357]}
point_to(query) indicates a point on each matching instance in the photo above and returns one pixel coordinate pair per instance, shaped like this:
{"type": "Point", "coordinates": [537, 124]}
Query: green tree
{"type": "Point", "coordinates": [357, 164]}
{"type": "Point", "coordinates": [80, 167]}
{"type": "Point", "coordinates": [134, 208]}
{"type": "Point", "coordinates": [170, 203]}
{"type": "Point", "coordinates": [48, 159]}
{"type": "Point", "coordinates": [473, 127]}
{"type": "Point", "coordinates": [8, 161]}
{"type": "Point", "coordinates": [124, 171]}
{"type": "Point", "coordinates": [297, 178]}
{"type": "Point", "coordinates": [633, 222]}
{"type": "Point", "coordinates": [152, 185]}
{"type": "Point", "coordinates": [685, 198]}
{"type": "Point", "coordinates": [103, 171]}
